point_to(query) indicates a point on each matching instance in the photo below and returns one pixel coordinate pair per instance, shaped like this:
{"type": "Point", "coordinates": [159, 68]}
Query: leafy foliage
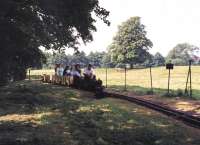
{"type": "Point", "coordinates": [98, 59]}
{"type": "Point", "coordinates": [78, 58]}
{"type": "Point", "coordinates": [107, 62]}
{"type": "Point", "coordinates": [130, 45]}
{"type": "Point", "coordinates": [27, 25]}
{"type": "Point", "coordinates": [94, 58]}
{"type": "Point", "coordinates": [158, 60]}
{"type": "Point", "coordinates": [182, 53]}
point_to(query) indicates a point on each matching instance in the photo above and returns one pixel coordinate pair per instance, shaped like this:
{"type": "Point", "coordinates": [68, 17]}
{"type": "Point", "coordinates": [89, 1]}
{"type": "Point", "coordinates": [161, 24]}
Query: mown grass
{"type": "Point", "coordinates": [42, 114]}
{"type": "Point", "coordinates": [139, 79]}
{"type": "Point", "coordinates": [140, 91]}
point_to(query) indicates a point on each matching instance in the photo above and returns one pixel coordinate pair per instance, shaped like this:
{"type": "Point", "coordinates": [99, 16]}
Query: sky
{"type": "Point", "coordinates": [168, 22]}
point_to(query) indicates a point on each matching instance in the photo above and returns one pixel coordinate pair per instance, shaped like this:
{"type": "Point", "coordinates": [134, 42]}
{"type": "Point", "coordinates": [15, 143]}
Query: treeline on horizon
{"type": "Point", "coordinates": [130, 45]}
{"type": "Point", "coordinates": [179, 55]}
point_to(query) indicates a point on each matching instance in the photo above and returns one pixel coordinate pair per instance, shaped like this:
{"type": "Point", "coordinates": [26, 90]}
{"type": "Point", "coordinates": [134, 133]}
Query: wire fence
{"type": "Point", "coordinates": [152, 79]}
{"type": "Point", "coordinates": [155, 78]}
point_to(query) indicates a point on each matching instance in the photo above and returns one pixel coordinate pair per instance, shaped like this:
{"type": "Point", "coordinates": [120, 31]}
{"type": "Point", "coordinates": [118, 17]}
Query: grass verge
{"type": "Point", "coordinates": [158, 91]}
{"type": "Point", "coordinates": [42, 114]}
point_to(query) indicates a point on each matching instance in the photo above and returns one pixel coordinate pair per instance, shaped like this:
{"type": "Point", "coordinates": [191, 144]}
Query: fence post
{"type": "Point", "coordinates": [168, 81]}
{"type": "Point", "coordinates": [29, 74]}
{"type": "Point", "coordinates": [189, 78]}
{"type": "Point", "coordinates": [186, 87]}
{"type": "Point", "coordinates": [151, 80]}
{"type": "Point", "coordinates": [190, 63]}
{"type": "Point", "coordinates": [106, 76]}
{"type": "Point", "coordinates": [125, 87]}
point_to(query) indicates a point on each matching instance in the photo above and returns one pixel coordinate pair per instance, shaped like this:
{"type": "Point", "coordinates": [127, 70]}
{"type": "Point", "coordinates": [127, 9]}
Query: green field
{"type": "Point", "coordinates": [33, 113]}
{"type": "Point", "coordinates": [139, 79]}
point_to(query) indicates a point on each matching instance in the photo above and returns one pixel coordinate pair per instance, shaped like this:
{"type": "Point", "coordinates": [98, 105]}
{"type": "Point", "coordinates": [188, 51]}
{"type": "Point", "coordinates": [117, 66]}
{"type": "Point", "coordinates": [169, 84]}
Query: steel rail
{"type": "Point", "coordinates": [178, 115]}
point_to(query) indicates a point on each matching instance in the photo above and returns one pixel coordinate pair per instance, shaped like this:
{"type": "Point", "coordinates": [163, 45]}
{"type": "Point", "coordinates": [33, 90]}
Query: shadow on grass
{"type": "Point", "coordinates": [105, 123]}
{"type": "Point", "coordinates": [30, 114]}
{"type": "Point", "coordinates": [23, 98]}
{"type": "Point", "coordinates": [138, 90]}
{"type": "Point", "coordinates": [34, 77]}
{"type": "Point", "coordinates": [73, 118]}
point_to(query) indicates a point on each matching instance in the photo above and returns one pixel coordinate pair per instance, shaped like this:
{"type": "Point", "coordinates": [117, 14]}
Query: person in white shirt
{"type": "Point", "coordinates": [76, 76]}
{"type": "Point", "coordinates": [60, 70]}
{"type": "Point", "coordinates": [75, 71]}
{"type": "Point", "coordinates": [89, 72]}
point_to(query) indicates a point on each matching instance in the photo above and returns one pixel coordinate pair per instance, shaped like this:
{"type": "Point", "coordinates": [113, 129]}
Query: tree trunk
{"type": "Point", "coordinates": [131, 66]}
{"type": "Point", "coordinates": [3, 77]}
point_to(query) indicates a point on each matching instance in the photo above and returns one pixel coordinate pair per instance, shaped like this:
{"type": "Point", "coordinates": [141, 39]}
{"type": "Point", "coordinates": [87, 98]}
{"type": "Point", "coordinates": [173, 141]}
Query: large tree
{"type": "Point", "coordinates": [130, 45]}
{"type": "Point", "coordinates": [182, 53]}
{"type": "Point", "coordinates": [80, 58]}
{"type": "Point", "coordinates": [106, 60]}
{"type": "Point", "coordinates": [158, 60]}
{"type": "Point", "coordinates": [26, 25]}
{"type": "Point", "coordinates": [96, 58]}
{"type": "Point", "coordinates": [62, 58]}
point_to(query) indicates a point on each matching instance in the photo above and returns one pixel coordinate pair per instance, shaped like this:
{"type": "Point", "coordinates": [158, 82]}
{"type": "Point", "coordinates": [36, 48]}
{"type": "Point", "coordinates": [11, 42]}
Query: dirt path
{"type": "Point", "coordinates": [184, 105]}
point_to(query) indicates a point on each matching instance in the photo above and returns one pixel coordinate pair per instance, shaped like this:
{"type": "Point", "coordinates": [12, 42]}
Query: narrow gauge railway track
{"type": "Point", "coordinates": [178, 115]}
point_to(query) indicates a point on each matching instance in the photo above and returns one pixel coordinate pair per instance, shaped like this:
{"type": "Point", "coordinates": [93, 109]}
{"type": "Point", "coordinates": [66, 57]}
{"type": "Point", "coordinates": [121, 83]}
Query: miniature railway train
{"type": "Point", "coordinates": [82, 83]}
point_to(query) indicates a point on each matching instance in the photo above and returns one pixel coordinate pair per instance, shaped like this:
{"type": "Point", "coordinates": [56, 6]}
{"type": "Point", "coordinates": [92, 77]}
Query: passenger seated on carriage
{"type": "Point", "coordinates": [78, 67]}
{"type": "Point", "coordinates": [59, 70]}
{"type": "Point", "coordinates": [76, 73]}
{"type": "Point", "coordinates": [67, 71]}
{"type": "Point", "coordinates": [90, 83]}
{"type": "Point", "coordinates": [56, 68]}
{"type": "Point", "coordinates": [89, 72]}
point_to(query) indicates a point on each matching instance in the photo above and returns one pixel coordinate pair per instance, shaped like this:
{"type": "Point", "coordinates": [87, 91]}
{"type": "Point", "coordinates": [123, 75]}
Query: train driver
{"type": "Point", "coordinates": [89, 72]}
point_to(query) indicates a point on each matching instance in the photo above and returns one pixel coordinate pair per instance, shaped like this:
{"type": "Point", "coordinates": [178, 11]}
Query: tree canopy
{"type": "Point", "coordinates": [94, 58]}
{"type": "Point", "coordinates": [158, 59]}
{"type": "Point", "coordinates": [26, 25]}
{"type": "Point", "coordinates": [182, 53]}
{"type": "Point", "coordinates": [130, 45]}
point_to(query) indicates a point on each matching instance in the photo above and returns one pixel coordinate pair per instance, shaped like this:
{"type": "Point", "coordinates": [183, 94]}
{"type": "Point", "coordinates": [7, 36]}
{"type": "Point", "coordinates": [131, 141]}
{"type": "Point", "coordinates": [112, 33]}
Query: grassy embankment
{"type": "Point", "coordinates": [139, 80]}
{"type": "Point", "coordinates": [42, 114]}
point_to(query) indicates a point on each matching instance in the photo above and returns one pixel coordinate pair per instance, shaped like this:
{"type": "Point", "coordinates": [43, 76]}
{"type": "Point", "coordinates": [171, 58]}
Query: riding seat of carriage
{"type": "Point", "coordinates": [82, 83]}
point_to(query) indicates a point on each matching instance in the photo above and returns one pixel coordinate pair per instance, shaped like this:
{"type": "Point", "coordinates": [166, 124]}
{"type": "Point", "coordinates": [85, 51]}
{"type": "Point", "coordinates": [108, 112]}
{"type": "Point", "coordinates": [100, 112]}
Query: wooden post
{"type": "Point", "coordinates": [169, 66]}
{"type": "Point", "coordinates": [186, 87]}
{"type": "Point", "coordinates": [168, 80]}
{"type": "Point", "coordinates": [151, 80]}
{"type": "Point", "coordinates": [189, 78]}
{"type": "Point", "coordinates": [106, 76]}
{"type": "Point", "coordinates": [125, 87]}
{"type": "Point", "coordinates": [190, 63]}
{"type": "Point", "coordinates": [29, 74]}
